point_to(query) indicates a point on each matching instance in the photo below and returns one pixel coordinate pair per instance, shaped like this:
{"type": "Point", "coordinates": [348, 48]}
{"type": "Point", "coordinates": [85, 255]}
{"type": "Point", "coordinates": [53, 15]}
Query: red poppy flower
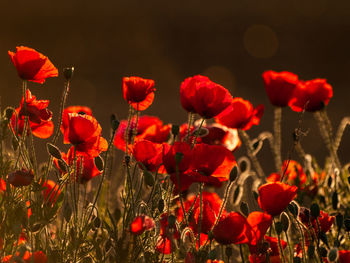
{"type": "Point", "coordinates": [279, 86]}
{"type": "Point", "coordinates": [51, 191]}
{"type": "Point", "coordinates": [73, 109]}
{"type": "Point", "coordinates": [84, 132]}
{"type": "Point", "coordinates": [141, 224]}
{"type": "Point", "coordinates": [169, 153]}
{"type": "Point", "coordinates": [28, 257]}
{"type": "Point", "coordinates": [240, 114]}
{"type": "Point", "coordinates": [89, 169]}
{"type": "Point", "coordinates": [231, 229]}
{"type": "Point", "coordinates": [148, 128]}
{"type": "Point", "coordinates": [325, 221]}
{"type": "Point", "coordinates": [32, 65]}
{"type": "Point", "coordinates": [211, 204]}
{"type": "Point", "coordinates": [168, 236]}
{"type": "Point", "coordinates": [150, 154]}
{"type": "Point", "coordinates": [213, 168]}
{"type": "Point", "coordinates": [312, 95]}
{"type": "Point", "coordinates": [138, 92]}
{"type": "Point", "coordinates": [275, 197]}
{"type": "Point", "coordinates": [294, 173]}
{"type": "Point", "coordinates": [217, 134]}
{"type": "Point", "coordinates": [202, 96]}
{"type": "Point", "coordinates": [21, 177]}
{"type": "Point", "coordinates": [259, 224]}
{"type": "Point", "coordinates": [2, 186]}
{"type": "Point", "coordinates": [38, 115]}
{"type": "Point", "coordinates": [344, 256]}
{"type": "Point", "coordinates": [258, 253]}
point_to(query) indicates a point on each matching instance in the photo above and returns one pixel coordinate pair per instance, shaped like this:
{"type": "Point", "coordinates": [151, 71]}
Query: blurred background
{"type": "Point", "coordinates": [231, 42]}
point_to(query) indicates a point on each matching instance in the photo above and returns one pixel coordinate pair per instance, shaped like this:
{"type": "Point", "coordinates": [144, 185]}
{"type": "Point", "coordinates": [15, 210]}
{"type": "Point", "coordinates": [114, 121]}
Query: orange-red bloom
{"type": "Point", "coordinates": [73, 109]}
{"type": "Point", "coordinates": [217, 134]}
{"type": "Point", "coordinates": [51, 191]}
{"type": "Point", "coordinates": [258, 253]}
{"type": "Point", "coordinates": [89, 169]}
{"type": "Point", "coordinates": [84, 132]}
{"type": "Point", "coordinates": [240, 114]}
{"type": "Point", "coordinates": [202, 96]}
{"type": "Point", "coordinates": [275, 197]}
{"type": "Point", "coordinates": [231, 229]}
{"type": "Point", "coordinates": [168, 236]}
{"type": "Point", "coordinates": [32, 65]}
{"type": "Point", "coordinates": [148, 128]}
{"type": "Point", "coordinates": [21, 177]}
{"type": "Point", "coordinates": [138, 92]}
{"type": "Point", "coordinates": [197, 165]}
{"type": "Point", "coordinates": [279, 86]}
{"type": "Point", "coordinates": [211, 204]}
{"type": "Point", "coordinates": [28, 257]}
{"type": "Point", "coordinates": [141, 224]}
{"type": "Point", "coordinates": [294, 173]}
{"type": "Point", "coordinates": [39, 117]}
{"type": "Point", "coordinates": [312, 95]}
{"type": "Point", "coordinates": [150, 154]}
{"type": "Point", "coordinates": [344, 256]}
{"type": "Point", "coordinates": [259, 224]}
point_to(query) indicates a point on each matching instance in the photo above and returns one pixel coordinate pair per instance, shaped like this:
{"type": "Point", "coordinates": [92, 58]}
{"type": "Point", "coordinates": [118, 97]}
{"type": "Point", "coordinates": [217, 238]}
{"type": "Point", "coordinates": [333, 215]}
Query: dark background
{"type": "Point", "coordinates": [231, 41]}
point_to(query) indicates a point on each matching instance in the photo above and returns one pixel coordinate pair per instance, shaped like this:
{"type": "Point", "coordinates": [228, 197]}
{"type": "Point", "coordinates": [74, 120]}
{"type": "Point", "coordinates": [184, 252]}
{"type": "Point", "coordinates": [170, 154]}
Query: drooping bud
{"type": "Point", "coordinates": [244, 208]}
{"type": "Point", "coordinates": [333, 255]}
{"type": "Point", "coordinates": [284, 221]}
{"type": "Point", "coordinates": [315, 210]}
{"type": "Point", "coordinates": [278, 227]}
{"type": "Point", "coordinates": [234, 173]}
{"type": "Point", "coordinates": [68, 73]}
{"type": "Point", "coordinates": [335, 200]}
{"type": "Point", "coordinates": [114, 122]}
{"type": "Point", "coordinates": [175, 129]}
{"type": "Point", "coordinates": [99, 163]}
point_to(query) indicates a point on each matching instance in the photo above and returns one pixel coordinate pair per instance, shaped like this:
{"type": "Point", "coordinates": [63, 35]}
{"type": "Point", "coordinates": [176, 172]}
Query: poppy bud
{"type": "Point", "coordinates": [63, 165]}
{"type": "Point", "coordinates": [244, 208]}
{"type": "Point", "coordinates": [234, 173]}
{"type": "Point", "coordinates": [335, 200]}
{"type": "Point", "coordinates": [68, 73]}
{"type": "Point", "coordinates": [228, 251]}
{"type": "Point", "coordinates": [21, 177]}
{"type": "Point", "coordinates": [278, 227]}
{"type": "Point", "coordinates": [178, 157]}
{"type": "Point", "coordinates": [329, 181]}
{"type": "Point", "coordinates": [347, 224]}
{"type": "Point", "coordinates": [323, 237]}
{"type": "Point", "coordinates": [212, 255]}
{"type": "Point", "coordinates": [9, 113]}
{"type": "Point", "coordinates": [53, 151]}
{"type": "Point", "coordinates": [161, 205]}
{"type": "Point", "coordinates": [323, 252]}
{"type": "Point", "coordinates": [127, 160]}
{"type": "Point", "coordinates": [339, 219]}
{"type": "Point", "coordinates": [97, 222]}
{"type": "Point", "coordinates": [114, 122]}
{"type": "Point", "coordinates": [236, 193]}
{"type": "Point", "coordinates": [284, 221]}
{"type": "Point", "coordinates": [243, 166]}
{"type": "Point", "coordinates": [99, 162]}
{"type": "Point", "coordinates": [333, 254]}
{"type": "Point", "coordinates": [175, 129]}
{"type": "Point", "coordinates": [149, 180]}
{"type": "Point", "coordinates": [315, 210]}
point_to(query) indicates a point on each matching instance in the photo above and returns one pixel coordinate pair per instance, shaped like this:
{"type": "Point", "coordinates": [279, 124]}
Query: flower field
{"type": "Point", "coordinates": [181, 193]}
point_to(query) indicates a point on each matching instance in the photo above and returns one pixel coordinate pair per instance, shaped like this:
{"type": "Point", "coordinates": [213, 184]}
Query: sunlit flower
{"type": "Point", "coordinates": [138, 92]}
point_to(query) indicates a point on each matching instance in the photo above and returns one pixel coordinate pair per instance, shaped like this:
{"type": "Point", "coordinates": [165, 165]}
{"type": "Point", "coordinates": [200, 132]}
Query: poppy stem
{"type": "Point", "coordinates": [280, 244]}
{"type": "Point", "coordinates": [250, 152]}
{"type": "Point", "coordinates": [198, 132]}
{"type": "Point", "coordinates": [189, 124]}
{"type": "Point", "coordinates": [180, 191]}
{"type": "Point", "coordinates": [127, 129]}
{"type": "Point", "coordinates": [241, 252]}
{"type": "Point", "coordinates": [326, 131]}
{"type": "Point", "coordinates": [200, 214]}
{"type": "Point", "coordinates": [134, 132]}
{"type": "Point", "coordinates": [277, 137]}
{"type": "Point", "coordinates": [344, 122]}
{"type": "Point", "coordinates": [223, 204]}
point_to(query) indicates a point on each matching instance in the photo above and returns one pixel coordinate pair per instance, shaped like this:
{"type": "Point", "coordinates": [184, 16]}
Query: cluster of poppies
{"type": "Point", "coordinates": [197, 152]}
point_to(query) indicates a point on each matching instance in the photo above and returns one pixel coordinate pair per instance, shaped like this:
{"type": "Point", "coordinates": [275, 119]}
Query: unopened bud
{"type": "Point", "coordinates": [244, 208]}
{"type": "Point", "coordinates": [175, 129]}
{"type": "Point", "coordinates": [315, 210]}
{"type": "Point", "coordinates": [9, 113]}
{"type": "Point", "coordinates": [278, 227]}
{"type": "Point", "coordinates": [161, 205]}
{"type": "Point", "coordinates": [339, 219]}
{"type": "Point", "coordinates": [68, 73]}
{"type": "Point", "coordinates": [234, 173]}
{"type": "Point", "coordinates": [335, 200]}
{"type": "Point", "coordinates": [228, 251]}
{"type": "Point", "coordinates": [114, 122]}
{"type": "Point", "coordinates": [53, 151]}
{"type": "Point", "coordinates": [99, 162]}
{"type": "Point", "coordinates": [284, 221]}
{"type": "Point", "coordinates": [333, 255]}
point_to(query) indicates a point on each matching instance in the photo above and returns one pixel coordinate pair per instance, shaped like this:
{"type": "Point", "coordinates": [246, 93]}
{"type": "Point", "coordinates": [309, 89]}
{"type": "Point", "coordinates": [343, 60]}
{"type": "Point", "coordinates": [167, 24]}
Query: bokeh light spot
{"type": "Point", "coordinates": [260, 41]}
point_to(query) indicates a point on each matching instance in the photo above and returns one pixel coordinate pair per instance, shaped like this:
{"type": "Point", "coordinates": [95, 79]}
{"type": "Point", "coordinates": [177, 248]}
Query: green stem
{"type": "Point", "coordinates": [200, 213]}
{"type": "Point", "coordinates": [277, 137]}
{"type": "Point", "coordinates": [198, 132]}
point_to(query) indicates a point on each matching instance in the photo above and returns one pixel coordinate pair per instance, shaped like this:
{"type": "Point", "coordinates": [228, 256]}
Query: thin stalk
{"type": "Point", "coordinates": [277, 137]}
{"type": "Point", "coordinates": [127, 129]}
{"type": "Point", "coordinates": [200, 214]}
{"type": "Point", "coordinates": [197, 133]}
{"type": "Point", "coordinates": [180, 196]}
{"type": "Point", "coordinates": [250, 152]}
{"type": "Point", "coordinates": [189, 123]}
{"type": "Point", "coordinates": [241, 252]}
